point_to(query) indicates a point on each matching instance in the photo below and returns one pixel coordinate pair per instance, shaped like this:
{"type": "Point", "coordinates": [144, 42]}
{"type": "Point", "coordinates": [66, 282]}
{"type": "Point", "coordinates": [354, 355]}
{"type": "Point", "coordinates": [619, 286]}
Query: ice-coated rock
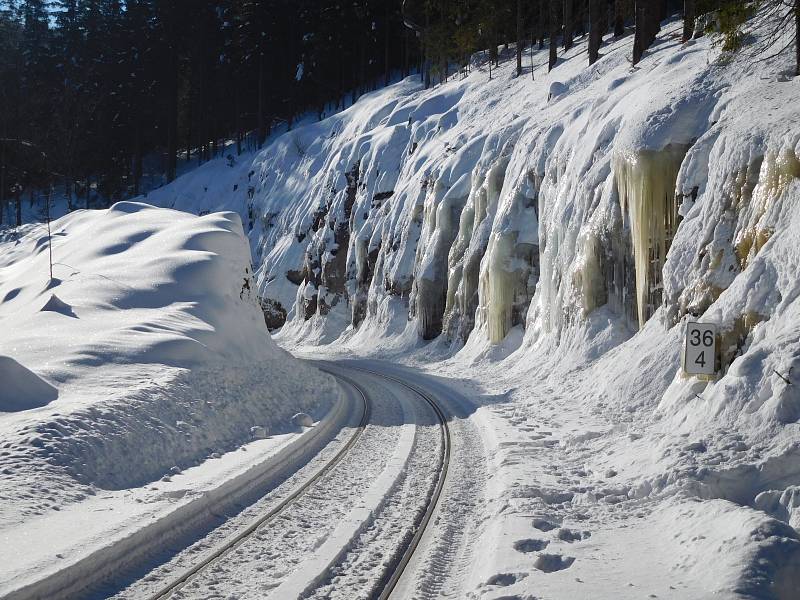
{"type": "Point", "coordinates": [258, 432]}
{"type": "Point", "coordinates": [302, 420]}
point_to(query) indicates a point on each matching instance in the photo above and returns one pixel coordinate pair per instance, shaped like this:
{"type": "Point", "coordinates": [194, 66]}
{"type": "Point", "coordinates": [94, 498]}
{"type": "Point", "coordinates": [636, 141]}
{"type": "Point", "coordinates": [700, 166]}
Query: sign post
{"type": "Point", "coordinates": [700, 349]}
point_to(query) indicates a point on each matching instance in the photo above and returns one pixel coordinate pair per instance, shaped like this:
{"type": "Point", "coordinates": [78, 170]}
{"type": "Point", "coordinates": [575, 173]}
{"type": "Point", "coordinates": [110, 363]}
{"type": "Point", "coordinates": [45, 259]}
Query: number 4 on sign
{"type": "Point", "coordinates": [700, 349]}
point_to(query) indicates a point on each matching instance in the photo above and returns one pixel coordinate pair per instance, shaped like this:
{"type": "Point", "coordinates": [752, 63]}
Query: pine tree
{"type": "Point", "coordinates": [10, 75]}
{"type": "Point", "coordinates": [689, 8]}
{"type": "Point", "coordinates": [595, 30]}
{"type": "Point", "coordinates": [554, 27]}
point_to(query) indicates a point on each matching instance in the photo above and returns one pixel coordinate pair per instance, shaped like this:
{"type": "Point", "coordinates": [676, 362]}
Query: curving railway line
{"type": "Point", "coordinates": [391, 527]}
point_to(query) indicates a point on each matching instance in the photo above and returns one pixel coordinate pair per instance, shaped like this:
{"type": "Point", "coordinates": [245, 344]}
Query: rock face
{"type": "Point", "coordinates": [472, 217]}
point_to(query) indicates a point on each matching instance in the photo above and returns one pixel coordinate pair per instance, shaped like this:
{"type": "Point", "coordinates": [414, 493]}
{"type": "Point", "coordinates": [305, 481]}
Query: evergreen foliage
{"type": "Point", "coordinates": [99, 96]}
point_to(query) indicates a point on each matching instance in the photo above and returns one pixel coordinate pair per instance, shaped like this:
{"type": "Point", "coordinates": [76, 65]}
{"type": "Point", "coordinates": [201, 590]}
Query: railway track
{"type": "Point", "coordinates": [231, 544]}
{"type": "Point", "coordinates": [395, 572]}
{"type": "Point", "coordinates": [433, 500]}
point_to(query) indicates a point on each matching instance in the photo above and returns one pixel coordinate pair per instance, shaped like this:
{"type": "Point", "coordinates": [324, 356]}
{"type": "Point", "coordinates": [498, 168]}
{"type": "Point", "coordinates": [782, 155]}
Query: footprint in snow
{"type": "Point", "coordinates": [505, 579]}
{"type": "Point", "coordinates": [544, 525]}
{"type": "Point", "coordinates": [572, 535]}
{"type": "Point", "coordinates": [549, 563]}
{"type": "Point", "coordinates": [530, 545]}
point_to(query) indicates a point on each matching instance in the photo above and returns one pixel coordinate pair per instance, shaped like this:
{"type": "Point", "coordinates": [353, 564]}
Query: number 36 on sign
{"type": "Point", "coordinates": [700, 351]}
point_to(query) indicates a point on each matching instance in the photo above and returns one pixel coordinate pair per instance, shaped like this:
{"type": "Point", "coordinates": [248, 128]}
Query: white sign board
{"type": "Point", "coordinates": [700, 353]}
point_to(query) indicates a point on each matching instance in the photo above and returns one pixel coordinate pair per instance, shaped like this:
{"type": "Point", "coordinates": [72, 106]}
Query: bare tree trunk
{"type": "Point", "coordinates": [426, 58]}
{"type": "Point", "coordinates": [619, 18]}
{"type": "Point", "coordinates": [595, 32]}
{"type": "Point", "coordinates": [494, 56]}
{"type": "Point", "coordinates": [261, 126]}
{"type": "Point", "coordinates": [519, 38]}
{"type": "Point", "coordinates": [362, 67]}
{"type": "Point", "coordinates": [406, 65]}
{"type": "Point", "coordinates": [797, 37]}
{"type": "Point", "coordinates": [579, 10]}
{"type": "Point", "coordinates": [553, 59]}
{"type": "Point", "coordinates": [189, 132]}
{"type": "Point", "coordinates": [3, 178]}
{"type": "Point", "coordinates": [688, 19]}
{"type": "Point", "coordinates": [568, 24]}
{"type": "Point", "coordinates": [238, 118]}
{"type": "Point", "coordinates": [654, 10]}
{"type": "Point", "coordinates": [49, 234]}
{"type": "Point", "coordinates": [68, 191]}
{"type": "Point", "coordinates": [543, 22]}
{"type": "Point", "coordinates": [639, 31]}
{"type": "Point", "coordinates": [172, 117]}
{"type": "Point", "coordinates": [19, 206]}
{"type": "Point", "coordinates": [386, 46]}
{"type": "Point", "coordinates": [606, 6]}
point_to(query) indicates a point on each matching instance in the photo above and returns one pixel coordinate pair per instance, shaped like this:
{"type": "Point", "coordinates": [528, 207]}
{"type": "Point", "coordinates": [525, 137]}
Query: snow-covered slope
{"type": "Point", "coordinates": [554, 233]}
{"type": "Point", "coordinates": [147, 352]}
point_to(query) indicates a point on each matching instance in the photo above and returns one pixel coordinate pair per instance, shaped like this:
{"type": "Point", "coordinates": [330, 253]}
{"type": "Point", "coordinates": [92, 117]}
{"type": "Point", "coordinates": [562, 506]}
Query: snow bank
{"type": "Point", "coordinates": [558, 231]}
{"type": "Point", "coordinates": [146, 352]}
{"type": "Point", "coordinates": [22, 389]}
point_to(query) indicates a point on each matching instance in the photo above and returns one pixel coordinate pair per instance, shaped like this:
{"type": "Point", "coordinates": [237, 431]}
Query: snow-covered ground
{"type": "Point", "coordinates": [552, 233]}
{"type": "Point", "coordinates": [559, 230]}
{"type": "Point", "coordinates": [133, 380]}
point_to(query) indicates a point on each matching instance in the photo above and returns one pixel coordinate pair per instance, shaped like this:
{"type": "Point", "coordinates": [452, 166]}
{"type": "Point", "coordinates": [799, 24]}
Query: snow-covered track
{"type": "Point", "coordinates": [105, 565]}
{"type": "Point", "coordinates": [233, 542]}
{"type": "Point", "coordinates": [436, 492]}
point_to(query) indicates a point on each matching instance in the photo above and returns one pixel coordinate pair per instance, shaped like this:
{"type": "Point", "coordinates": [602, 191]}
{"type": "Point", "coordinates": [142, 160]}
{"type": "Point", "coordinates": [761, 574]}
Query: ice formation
{"type": "Point", "coordinates": [467, 251]}
{"type": "Point", "coordinates": [569, 227]}
{"type": "Point", "coordinates": [442, 212]}
{"type": "Point", "coordinates": [646, 187]}
{"type": "Point", "coordinates": [777, 171]}
{"type": "Point", "coordinates": [469, 217]}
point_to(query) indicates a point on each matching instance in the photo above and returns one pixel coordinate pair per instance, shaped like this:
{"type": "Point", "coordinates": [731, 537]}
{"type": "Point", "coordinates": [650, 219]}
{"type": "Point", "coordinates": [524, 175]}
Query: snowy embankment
{"type": "Point", "coordinates": [145, 356]}
{"type": "Point", "coordinates": [558, 231]}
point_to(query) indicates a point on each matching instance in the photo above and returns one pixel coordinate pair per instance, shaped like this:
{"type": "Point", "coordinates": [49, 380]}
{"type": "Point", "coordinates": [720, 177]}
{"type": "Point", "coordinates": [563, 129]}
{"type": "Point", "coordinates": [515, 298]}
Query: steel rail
{"type": "Point", "coordinates": [433, 501]}
{"type": "Point", "coordinates": [235, 541]}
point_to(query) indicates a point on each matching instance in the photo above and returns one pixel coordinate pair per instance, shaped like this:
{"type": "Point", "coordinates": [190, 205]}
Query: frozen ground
{"type": "Point", "coordinates": [613, 474]}
{"type": "Point", "coordinates": [145, 358]}
{"type": "Point", "coordinates": [552, 234]}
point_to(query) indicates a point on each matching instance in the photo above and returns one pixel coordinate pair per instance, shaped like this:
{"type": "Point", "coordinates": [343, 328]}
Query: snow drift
{"type": "Point", "coordinates": [22, 389]}
{"type": "Point", "coordinates": [146, 352]}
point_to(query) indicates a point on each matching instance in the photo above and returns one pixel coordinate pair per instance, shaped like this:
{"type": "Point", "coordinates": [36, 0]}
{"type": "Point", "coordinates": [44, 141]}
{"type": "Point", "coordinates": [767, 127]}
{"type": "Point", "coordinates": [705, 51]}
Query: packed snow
{"type": "Point", "coordinates": [551, 233]}
{"type": "Point", "coordinates": [146, 355]}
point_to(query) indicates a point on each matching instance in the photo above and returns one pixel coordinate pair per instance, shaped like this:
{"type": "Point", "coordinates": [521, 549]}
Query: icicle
{"type": "Point", "coordinates": [468, 250]}
{"type": "Point", "coordinates": [776, 173]}
{"type": "Point", "coordinates": [442, 213]}
{"type": "Point", "coordinates": [497, 286]}
{"type": "Point", "coordinates": [510, 268]}
{"type": "Point", "coordinates": [646, 185]}
{"type": "Point", "coordinates": [592, 282]}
